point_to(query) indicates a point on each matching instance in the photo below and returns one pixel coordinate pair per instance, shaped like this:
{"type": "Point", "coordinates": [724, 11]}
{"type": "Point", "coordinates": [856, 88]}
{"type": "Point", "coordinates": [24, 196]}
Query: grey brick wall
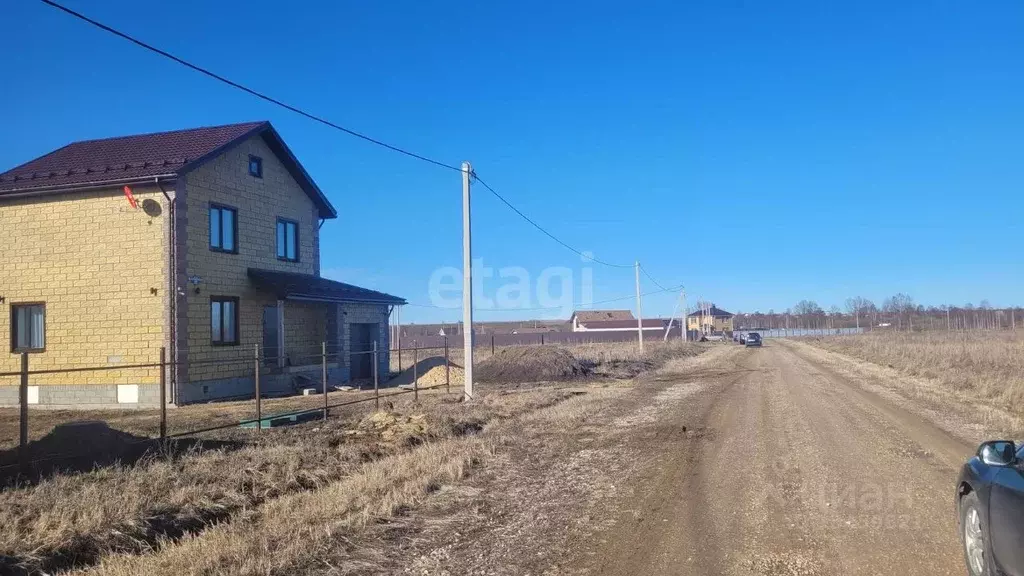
{"type": "Point", "coordinates": [353, 313]}
{"type": "Point", "coordinates": [83, 396]}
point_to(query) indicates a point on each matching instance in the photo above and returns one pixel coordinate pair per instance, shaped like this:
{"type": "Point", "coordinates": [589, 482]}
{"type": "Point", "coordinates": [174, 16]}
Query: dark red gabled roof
{"type": "Point", "coordinates": [715, 312]}
{"type": "Point", "coordinates": [110, 160]}
{"type": "Point", "coordinates": [123, 157]}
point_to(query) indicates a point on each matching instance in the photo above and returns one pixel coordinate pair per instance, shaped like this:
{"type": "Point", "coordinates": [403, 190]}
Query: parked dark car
{"type": "Point", "coordinates": [990, 509]}
{"type": "Point", "coordinates": [753, 339]}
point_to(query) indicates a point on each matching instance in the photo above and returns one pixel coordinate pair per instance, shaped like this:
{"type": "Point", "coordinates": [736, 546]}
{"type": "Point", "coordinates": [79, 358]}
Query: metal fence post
{"type": "Point", "coordinates": [23, 422]}
{"type": "Point", "coordinates": [259, 410]}
{"type": "Point", "coordinates": [542, 339]}
{"type": "Point", "coordinates": [492, 344]}
{"type": "Point", "coordinates": [323, 350]}
{"type": "Point", "coordinates": [376, 387]}
{"type": "Point", "coordinates": [163, 393]}
{"type": "Point", "coordinates": [415, 374]}
{"type": "Point", "coordinates": [447, 368]}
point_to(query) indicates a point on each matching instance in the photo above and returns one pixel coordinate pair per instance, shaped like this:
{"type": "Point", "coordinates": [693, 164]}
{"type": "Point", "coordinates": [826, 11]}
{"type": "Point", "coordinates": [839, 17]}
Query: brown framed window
{"type": "Point", "coordinates": [28, 327]}
{"type": "Point", "coordinates": [224, 320]}
{"type": "Point", "coordinates": [223, 229]}
{"type": "Point", "coordinates": [287, 240]}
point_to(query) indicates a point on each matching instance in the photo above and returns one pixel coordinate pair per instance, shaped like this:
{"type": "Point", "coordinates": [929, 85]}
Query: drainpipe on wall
{"type": "Point", "coordinates": [173, 282]}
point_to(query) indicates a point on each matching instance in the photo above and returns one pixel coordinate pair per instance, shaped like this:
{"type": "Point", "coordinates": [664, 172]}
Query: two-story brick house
{"type": "Point", "coordinates": [220, 257]}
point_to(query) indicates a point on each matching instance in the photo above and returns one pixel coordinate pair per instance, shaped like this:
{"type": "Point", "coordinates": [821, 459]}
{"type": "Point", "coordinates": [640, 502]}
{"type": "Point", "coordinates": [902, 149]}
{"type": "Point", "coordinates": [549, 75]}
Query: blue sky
{"type": "Point", "coordinates": [759, 152]}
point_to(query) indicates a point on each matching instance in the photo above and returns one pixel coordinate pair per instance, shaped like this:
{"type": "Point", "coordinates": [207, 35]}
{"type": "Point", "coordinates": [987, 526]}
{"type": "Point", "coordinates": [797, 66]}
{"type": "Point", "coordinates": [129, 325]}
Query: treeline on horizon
{"type": "Point", "coordinates": [899, 312]}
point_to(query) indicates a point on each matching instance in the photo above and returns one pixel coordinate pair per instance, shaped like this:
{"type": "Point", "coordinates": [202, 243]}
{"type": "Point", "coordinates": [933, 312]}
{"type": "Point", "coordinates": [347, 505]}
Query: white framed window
{"type": "Point", "coordinates": [28, 327]}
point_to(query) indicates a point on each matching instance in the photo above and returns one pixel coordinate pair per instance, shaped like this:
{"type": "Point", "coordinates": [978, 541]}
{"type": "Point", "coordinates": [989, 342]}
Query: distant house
{"type": "Point", "coordinates": [712, 319]}
{"type": "Point", "coordinates": [610, 321]}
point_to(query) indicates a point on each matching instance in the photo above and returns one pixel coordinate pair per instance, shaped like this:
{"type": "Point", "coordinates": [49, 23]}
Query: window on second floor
{"type": "Point", "coordinates": [223, 229]}
{"type": "Point", "coordinates": [287, 240]}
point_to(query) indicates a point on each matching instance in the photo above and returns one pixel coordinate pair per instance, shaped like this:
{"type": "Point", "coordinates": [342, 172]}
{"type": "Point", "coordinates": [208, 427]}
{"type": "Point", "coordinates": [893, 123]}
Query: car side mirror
{"type": "Point", "coordinates": [998, 453]}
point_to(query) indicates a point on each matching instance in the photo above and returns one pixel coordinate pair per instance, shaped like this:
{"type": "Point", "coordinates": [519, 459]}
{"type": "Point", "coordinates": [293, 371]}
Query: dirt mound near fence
{"type": "Point", "coordinates": [80, 446]}
{"type": "Point", "coordinates": [532, 364]}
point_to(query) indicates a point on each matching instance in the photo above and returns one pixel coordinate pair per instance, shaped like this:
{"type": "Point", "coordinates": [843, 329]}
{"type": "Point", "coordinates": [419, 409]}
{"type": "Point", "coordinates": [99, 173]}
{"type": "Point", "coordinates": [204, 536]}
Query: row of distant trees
{"type": "Point", "coordinates": [898, 312]}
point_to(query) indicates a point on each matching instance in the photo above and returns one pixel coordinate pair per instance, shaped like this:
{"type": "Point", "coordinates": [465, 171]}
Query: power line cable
{"type": "Point", "coordinates": [321, 120]}
{"type": "Point", "coordinates": [541, 228]}
{"type": "Point", "coordinates": [656, 283]}
{"type": "Point", "coordinates": [575, 304]}
{"type": "Point", "coordinates": [246, 89]}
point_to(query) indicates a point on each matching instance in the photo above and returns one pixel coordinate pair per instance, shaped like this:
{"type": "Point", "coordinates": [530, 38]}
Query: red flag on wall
{"type": "Point", "coordinates": [131, 198]}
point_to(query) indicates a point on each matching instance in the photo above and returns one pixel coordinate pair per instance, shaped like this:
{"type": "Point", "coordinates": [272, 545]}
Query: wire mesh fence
{"type": "Point", "coordinates": [35, 437]}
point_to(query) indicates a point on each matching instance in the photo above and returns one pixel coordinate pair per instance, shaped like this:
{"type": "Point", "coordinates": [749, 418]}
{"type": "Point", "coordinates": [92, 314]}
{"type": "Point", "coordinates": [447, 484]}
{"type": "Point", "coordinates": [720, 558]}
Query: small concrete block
{"type": "Point", "coordinates": [127, 393]}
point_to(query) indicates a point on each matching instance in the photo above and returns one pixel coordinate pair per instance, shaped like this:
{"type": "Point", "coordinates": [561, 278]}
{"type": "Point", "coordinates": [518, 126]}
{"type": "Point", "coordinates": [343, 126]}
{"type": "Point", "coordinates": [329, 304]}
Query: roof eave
{"type": "Point", "coordinates": [396, 301]}
{"type": "Point", "coordinates": [21, 193]}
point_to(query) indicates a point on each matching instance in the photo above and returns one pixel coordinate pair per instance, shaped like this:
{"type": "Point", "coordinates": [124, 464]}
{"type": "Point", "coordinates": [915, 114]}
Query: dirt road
{"type": "Point", "coordinates": [797, 471]}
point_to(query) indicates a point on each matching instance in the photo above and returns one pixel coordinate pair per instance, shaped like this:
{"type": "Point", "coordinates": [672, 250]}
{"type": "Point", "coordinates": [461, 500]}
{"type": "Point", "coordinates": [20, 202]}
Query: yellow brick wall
{"type": "Point", "coordinates": [93, 260]}
{"type": "Point", "coordinates": [305, 328]}
{"type": "Point", "coordinates": [720, 324]}
{"type": "Point", "coordinates": [259, 202]}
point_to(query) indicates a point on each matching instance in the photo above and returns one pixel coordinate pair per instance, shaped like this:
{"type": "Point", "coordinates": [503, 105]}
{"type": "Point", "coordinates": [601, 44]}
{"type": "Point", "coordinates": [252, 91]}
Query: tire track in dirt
{"type": "Point", "coordinates": [891, 475]}
{"type": "Point", "coordinates": [802, 474]}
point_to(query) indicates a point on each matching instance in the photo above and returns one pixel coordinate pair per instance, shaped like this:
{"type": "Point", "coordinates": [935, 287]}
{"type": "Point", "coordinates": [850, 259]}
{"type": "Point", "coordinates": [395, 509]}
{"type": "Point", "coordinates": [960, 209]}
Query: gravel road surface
{"type": "Point", "coordinates": [780, 467]}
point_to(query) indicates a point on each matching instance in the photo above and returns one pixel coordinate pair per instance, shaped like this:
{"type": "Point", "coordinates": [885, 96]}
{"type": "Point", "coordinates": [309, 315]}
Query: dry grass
{"type": "Point", "coordinates": [655, 351]}
{"type": "Point", "coordinates": [986, 366]}
{"type": "Point", "coordinates": [77, 520]}
{"type": "Point", "coordinates": [282, 501]}
{"type": "Point", "coordinates": [301, 532]}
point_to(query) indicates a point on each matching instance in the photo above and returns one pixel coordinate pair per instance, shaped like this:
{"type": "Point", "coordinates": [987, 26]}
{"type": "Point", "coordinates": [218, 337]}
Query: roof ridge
{"type": "Point", "coordinates": [162, 132]}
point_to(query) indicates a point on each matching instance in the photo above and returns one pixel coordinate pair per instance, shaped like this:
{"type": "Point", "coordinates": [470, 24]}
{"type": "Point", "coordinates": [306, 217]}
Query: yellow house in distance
{"type": "Point", "coordinates": [204, 242]}
{"type": "Point", "coordinates": [710, 320]}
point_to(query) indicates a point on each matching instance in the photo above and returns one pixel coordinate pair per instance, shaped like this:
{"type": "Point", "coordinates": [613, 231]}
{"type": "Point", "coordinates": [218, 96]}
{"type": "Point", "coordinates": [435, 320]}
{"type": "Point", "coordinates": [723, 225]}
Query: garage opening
{"type": "Point", "coordinates": [361, 339]}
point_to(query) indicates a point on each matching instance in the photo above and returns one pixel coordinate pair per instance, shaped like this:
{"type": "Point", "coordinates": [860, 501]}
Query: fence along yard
{"type": "Point", "coordinates": [35, 442]}
{"type": "Point", "coordinates": [27, 448]}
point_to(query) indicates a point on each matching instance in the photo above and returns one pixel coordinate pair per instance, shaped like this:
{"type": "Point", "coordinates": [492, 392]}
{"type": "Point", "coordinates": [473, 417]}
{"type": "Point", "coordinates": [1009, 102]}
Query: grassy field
{"type": "Point", "coordinates": [287, 500]}
{"type": "Point", "coordinates": [984, 365]}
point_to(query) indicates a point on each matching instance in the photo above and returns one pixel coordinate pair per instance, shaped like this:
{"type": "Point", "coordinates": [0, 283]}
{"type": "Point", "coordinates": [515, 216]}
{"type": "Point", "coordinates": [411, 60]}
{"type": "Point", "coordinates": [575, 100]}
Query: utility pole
{"type": "Point", "coordinates": [684, 318]}
{"type": "Point", "coordinates": [639, 309]}
{"type": "Point", "coordinates": [467, 281]}
{"type": "Point", "coordinates": [672, 319]}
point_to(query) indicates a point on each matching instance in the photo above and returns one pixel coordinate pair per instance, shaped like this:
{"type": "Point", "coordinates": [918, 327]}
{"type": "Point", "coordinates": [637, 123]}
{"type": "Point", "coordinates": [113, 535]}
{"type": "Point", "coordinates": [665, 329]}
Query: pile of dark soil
{"type": "Point", "coordinates": [531, 364]}
{"type": "Point", "coordinates": [84, 445]}
{"type": "Point", "coordinates": [78, 446]}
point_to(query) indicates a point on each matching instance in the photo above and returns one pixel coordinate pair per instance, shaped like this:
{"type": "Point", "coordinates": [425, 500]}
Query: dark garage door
{"type": "Point", "coordinates": [361, 339]}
